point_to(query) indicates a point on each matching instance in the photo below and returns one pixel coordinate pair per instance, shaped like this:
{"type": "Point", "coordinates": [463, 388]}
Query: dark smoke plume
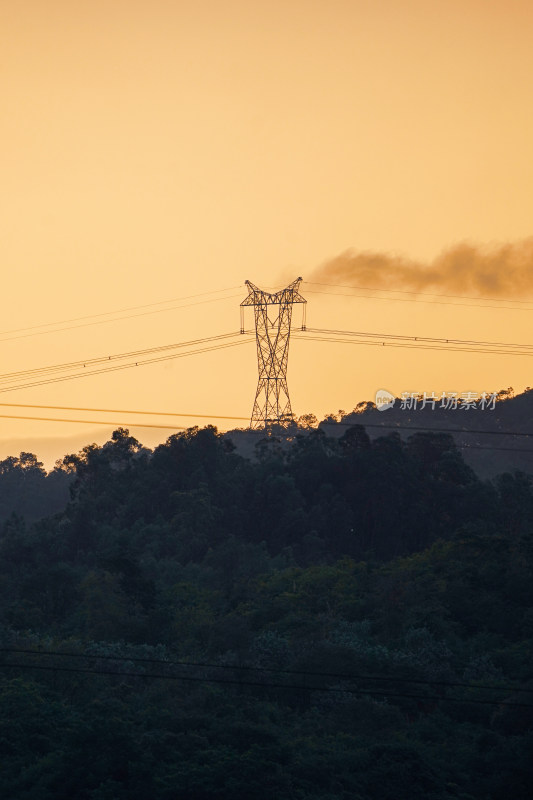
{"type": "Point", "coordinates": [496, 271]}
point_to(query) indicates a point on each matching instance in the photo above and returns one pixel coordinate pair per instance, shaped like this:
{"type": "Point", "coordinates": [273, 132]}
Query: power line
{"type": "Point", "coordinates": [95, 422]}
{"type": "Point", "coordinates": [430, 339]}
{"type": "Point", "coordinates": [413, 300]}
{"type": "Point", "coordinates": [472, 432]}
{"type": "Point", "coordinates": [41, 372]}
{"type": "Point", "coordinates": [427, 429]}
{"type": "Point", "coordinates": [393, 340]}
{"type": "Point", "coordinates": [430, 429]}
{"type": "Point", "coordinates": [415, 346]}
{"type": "Point", "coordinates": [414, 342]}
{"type": "Point", "coordinates": [178, 427]}
{"type": "Point", "coordinates": [250, 668]}
{"type": "Point", "coordinates": [87, 373]}
{"type": "Point", "coordinates": [117, 319]}
{"type": "Point", "coordinates": [117, 311]}
{"type": "Point", "coordinates": [414, 291]}
{"type": "Point", "coordinates": [264, 684]}
{"type": "Point", "coordinates": [123, 366]}
{"type": "Point", "coordinates": [10, 376]}
{"type": "Point", "coordinates": [493, 447]}
{"type": "Point", "coordinates": [123, 411]}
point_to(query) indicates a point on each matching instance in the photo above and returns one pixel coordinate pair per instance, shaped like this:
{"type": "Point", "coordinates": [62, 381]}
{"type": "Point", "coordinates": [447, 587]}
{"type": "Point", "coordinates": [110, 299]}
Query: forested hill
{"type": "Point", "coordinates": [491, 441]}
{"type": "Point", "coordinates": [27, 490]}
{"type": "Point", "coordinates": [489, 432]}
{"type": "Point", "coordinates": [340, 618]}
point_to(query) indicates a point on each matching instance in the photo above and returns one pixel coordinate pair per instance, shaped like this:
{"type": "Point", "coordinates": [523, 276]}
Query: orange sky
{"type": "Point", "coordinates": [155, 150]}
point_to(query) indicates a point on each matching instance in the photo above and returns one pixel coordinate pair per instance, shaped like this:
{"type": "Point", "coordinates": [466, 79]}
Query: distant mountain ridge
{"type": "Point", "coordinates": [492, 441]}
{"type": "Point", "coordinates": [482, 435]}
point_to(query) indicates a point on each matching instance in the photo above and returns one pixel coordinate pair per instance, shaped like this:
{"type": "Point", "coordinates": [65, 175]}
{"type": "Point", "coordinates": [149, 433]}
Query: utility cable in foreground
{"type": "Point", "coordinates": [376, 693]}
{"type": "Point", "coordinates": [250, 668]}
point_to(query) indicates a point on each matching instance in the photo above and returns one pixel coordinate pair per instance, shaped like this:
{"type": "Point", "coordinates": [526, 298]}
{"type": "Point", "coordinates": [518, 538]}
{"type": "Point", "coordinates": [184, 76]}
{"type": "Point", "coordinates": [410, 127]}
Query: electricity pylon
{"type": "Point", "coordinates": [272, 405]}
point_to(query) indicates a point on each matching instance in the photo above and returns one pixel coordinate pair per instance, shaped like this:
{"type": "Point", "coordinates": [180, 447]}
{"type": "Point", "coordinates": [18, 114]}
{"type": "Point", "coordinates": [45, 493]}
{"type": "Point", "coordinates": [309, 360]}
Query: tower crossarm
{"type": "Point", "coordinates": [257, 296]}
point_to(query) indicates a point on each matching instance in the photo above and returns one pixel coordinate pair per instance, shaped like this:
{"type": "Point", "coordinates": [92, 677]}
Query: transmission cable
{"type": "Point", "coordinates": [96, 422]}
{"type": "Point", "coordinates": [392, 428]}
{"type": "Point", "coordinates": [416, 292]}
{"type": "Point", "coordinates": [250, 668]}
{"type": "Point", "coordinates": [172, 356]}
{"type": "Point", "coordinates": [431, 339]}
{"type": "Point", "coordinates": [416, 300]}
{"type": "Point", "coordinates": [114, 319]}
{"type": "Point", "coordinates": [123, 411]}
{"type": "Point", "coordinates": [38, 371]}
{"type": "Point", "coordinates": [118, 310]}
{"type": "Point", "coordinates": [264, 684]}
{"type": "Point", "coordinates": [519, 450]}
{"type": "Point", "coordinates": [428, 428]}
{"type": "Point", "coordinates": [390, 340]}
{"type": "Point", "coordinates": [482, 431]}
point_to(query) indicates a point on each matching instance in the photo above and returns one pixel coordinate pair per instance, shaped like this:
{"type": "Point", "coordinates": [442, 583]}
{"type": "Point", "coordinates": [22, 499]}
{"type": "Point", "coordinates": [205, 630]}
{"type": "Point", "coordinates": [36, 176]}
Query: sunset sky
{"type": "Point", "coordinates": [159, 150]}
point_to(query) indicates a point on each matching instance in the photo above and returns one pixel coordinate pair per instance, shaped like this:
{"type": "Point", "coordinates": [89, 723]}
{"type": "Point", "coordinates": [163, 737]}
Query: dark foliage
{"type": "Point", "coordinates": [26, 490]}
{"type": "Point", "coordinates": [324, 595]}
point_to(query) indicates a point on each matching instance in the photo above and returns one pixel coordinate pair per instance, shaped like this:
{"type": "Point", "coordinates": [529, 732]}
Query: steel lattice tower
{"type": "Point", "coordinates": [272, 405]}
